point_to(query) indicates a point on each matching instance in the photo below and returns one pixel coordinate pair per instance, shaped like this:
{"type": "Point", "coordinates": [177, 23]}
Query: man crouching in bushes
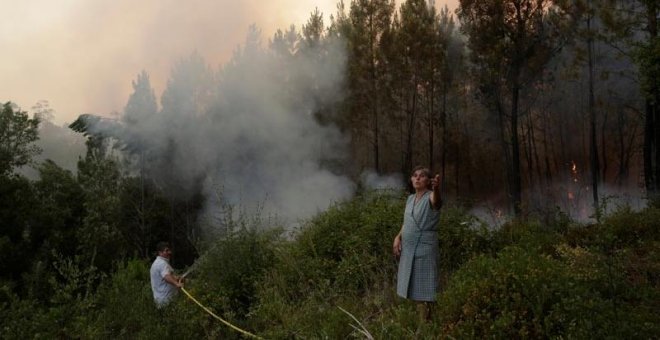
{"type": "Point", "coordinates": [164, 283]}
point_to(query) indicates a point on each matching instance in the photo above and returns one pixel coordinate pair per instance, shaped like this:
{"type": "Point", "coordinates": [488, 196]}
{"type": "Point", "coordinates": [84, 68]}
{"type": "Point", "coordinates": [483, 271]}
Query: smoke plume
{"type": "Point", "coordinates": [247, 134]}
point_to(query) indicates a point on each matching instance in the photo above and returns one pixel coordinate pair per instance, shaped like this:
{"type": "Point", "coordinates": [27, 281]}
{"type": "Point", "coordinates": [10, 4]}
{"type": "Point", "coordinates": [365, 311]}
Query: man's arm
{"type": "Point", "coordinates": [173, 280]}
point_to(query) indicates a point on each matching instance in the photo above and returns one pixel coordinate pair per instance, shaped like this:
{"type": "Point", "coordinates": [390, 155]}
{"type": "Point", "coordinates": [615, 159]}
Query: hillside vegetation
{"type": "Point", "coordinates": [557, 279]}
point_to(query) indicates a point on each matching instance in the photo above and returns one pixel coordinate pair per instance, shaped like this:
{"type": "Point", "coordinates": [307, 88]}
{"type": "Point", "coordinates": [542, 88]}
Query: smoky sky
{"type": "Point", "coordinates": [82, 55]}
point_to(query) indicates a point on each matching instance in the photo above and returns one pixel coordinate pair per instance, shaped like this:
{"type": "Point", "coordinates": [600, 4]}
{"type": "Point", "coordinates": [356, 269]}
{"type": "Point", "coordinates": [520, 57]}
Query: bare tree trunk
{"type": "Point", "coordinates": [625, 148]}
{"type": "Point", "coordinates": [431, 125]}
{"type": "Point", "coordinates": [653, 113]}
{"type": "Point", "coordinates": [527, 150]}
{"type": "Point", "coordinates": [468, 156]}
{"type": "Point", "coordinates": [535, 150]}
{"type": "Point", "coordinates": [374, 96]}
{"type": "Point", "coordinates": [506, 150]}
{"type": "Point", "coordinates": [376, 145]}
{"type": "Point", "coordinates": [431, 112]}
{"type": "Point", "coordinates": [444, 132]}
{"type": "Point", "coordinates": [457, 167]}
{"type": "Point", "coordinates": [621, 174]}
{"type": "Point", "coordinates": [546, 153]}
{"type": "Point", "coordinates": [562, 150]}
{"type": "Point", "coordinates": [411, 127]}
{"type": "Point", "coordinates": [145, 246]}
{"type": "Point", "coordinates": [515, 148]}
{"type": "Point", "coordinates": [603, 148]}
{"type": "Point", "coordinates": [593, 147]}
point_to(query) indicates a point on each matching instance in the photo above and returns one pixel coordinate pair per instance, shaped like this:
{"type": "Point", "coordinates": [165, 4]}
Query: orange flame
{"type": "Point", "coordinates": [574, 171]}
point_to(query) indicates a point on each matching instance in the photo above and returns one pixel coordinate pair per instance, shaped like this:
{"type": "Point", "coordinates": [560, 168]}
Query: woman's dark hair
{"type": "Point", "coordinates": [161, 246]}
{"type": "Point", "coordinates": [426, 170]}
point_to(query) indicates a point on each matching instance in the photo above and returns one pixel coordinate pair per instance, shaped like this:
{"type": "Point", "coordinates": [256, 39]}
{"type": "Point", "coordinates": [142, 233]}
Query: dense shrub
{"type": "Point", "coordinates": [343, 258]}
{"type": "Point", "coordinates": [125, 304]}
{"type": "Point", "coordinates": [504, 297]}
{"type": "Point", "coordinates": [461, 237]}
{"type": "Point", "coordinates": [225, 278]}
{"type": "Point", "coordinates": [335, 277]}
{"type": "Point", "coordinates": [523, 293]}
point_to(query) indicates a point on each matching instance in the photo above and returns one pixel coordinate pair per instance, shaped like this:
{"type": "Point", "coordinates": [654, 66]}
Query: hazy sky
{"type": "Point", "coordinates": [82, 55]}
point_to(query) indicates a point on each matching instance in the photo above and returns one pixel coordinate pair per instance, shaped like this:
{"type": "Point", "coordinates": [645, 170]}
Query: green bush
{"type": "Point", "coordinates": [343, 257]}
{"type": "Point", "coordinates": [125, 302]}
{"type": "Point", "coordinates": [461, 237]}
{"type": "Point", "coordinates": [524, 280]}
{"type": "Point", "coordinates": [125, 309]}
{"type": "Point", "coordinates": [530, 234]}
{"type": "Point", "coordinates": [623, 228]}
{"type": "Point", "coordinates": [524, 293]}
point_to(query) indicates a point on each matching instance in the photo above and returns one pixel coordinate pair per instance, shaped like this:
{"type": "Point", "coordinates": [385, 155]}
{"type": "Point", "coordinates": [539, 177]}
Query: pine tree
{"type": "Point", "coordinates": [511, 41]}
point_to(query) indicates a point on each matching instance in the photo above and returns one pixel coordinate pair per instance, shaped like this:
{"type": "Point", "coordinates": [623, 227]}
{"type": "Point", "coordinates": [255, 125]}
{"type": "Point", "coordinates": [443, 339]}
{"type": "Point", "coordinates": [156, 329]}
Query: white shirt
{"type": "Point", "coordinates": [163, 291]}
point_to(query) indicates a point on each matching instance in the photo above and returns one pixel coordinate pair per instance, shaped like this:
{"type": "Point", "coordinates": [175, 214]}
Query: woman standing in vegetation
{"type": "Point", "coordinates": [416, 244]}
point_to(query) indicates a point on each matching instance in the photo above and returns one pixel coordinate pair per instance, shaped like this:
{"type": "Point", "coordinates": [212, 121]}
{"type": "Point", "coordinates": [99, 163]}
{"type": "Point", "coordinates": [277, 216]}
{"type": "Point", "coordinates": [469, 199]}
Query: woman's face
{"type": "Point", "coordinates": [420, 180]}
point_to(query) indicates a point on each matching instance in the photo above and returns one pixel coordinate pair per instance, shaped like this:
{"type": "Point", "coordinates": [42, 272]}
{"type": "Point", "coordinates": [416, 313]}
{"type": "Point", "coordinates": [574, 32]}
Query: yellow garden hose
{"type": "Point", "coordinates": [217, 317]}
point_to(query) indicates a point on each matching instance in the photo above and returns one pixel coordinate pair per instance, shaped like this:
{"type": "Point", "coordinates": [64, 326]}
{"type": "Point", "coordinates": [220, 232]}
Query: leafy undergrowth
{"type": "Point", "coordinates": [335, 278]}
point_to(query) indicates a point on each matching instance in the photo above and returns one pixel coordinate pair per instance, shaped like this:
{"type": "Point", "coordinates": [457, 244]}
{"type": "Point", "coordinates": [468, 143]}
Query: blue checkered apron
{"type": "Point", "coordinates": [417, 278]}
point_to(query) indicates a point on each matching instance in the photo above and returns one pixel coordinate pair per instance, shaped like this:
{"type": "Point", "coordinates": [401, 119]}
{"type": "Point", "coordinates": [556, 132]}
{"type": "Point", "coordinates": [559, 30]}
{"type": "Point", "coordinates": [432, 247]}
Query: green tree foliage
{"type": "Point", "coordinates": [18, 133]}
{"type": "Point", "coordinates": [17, 203]}
{"type": "Point", "coordinates": [369, 26]}
{"type": "Point", "coordinates": [420, 57]}
{"type": "Point", "coordinates": [100, 177]}
{"type": "Point", "coordinates": [57, 214]}
{"type": "Point", "coordinates": [60, 208]}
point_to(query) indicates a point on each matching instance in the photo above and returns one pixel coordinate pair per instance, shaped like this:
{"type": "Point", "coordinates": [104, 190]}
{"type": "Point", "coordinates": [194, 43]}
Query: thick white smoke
{"type": "Point", "coordinates": [373, 181]}
{"type": "Point", "coordinates": [247, 134]}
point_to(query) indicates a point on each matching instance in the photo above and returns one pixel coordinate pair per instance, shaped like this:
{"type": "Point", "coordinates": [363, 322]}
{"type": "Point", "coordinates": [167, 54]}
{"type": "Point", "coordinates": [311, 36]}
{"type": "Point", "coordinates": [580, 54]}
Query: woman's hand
{"type": "Point", "coordinates": [396, 247]}
{"type": "Point", "coordinates": [435, 183]}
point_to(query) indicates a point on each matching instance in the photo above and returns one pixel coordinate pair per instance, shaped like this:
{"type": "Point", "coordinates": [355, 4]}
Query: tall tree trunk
{"type": "Point", "coordinates": [468, 156]}
{"type": "Point", "coordinates": [593, 147]}
{"type": "Point", "coordinates": [516, 185]}
{"type": "Point", "coordinates": [431, 113]}
{"type": "Point", "coordinates": [603, 148]}
{"type": "Point", "coordinates": [457, 168]}
{"type": "Point", "coordinates": [563, 158]}
{"type": "Point", "coordinates": [443, 122]}
{"type": "Point", "coordinates": [546, 152]}
{"type": "Point", "coordinates": [649, 126]}
{"type": "Point", "coordinates": [653, 107]}
{"type": "Point", "coordinates": [411, 127]}
{"type": "Point", "coordinates": [144, 245]}
{"type": "Point", "coordinates": [504, 142]}
{"type": "Point", "coordinates": [621, 150]}
{"type": "Point", "coordinates": [374, 96]}
{"type": "Point", "coordinates": [533, 164]}
{"type": "Point", "coordinates": [431, 125]}
{"type": "Point", "coordinates": [527, 149]}
{"type": "Point", "coordinates": [376, 144]}
{"type": "Point", "coordinates": [625, 148]}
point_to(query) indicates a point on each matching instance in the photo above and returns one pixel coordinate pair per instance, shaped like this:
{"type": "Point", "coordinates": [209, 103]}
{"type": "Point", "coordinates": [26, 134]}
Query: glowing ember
{"type": "Point", "coordinates": [574, 172]}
